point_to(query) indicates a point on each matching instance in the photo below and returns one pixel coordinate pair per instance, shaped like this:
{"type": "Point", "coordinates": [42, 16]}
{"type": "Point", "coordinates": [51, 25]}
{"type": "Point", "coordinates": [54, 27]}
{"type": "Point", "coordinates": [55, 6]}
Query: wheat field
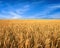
{"type": "Point", "coordinates": [29, 33]}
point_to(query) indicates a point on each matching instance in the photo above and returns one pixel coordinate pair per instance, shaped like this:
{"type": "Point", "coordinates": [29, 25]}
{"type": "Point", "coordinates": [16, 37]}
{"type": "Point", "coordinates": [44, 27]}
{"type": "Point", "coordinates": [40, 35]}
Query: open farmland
{"type": "Point", "coordinates": [29, 33]}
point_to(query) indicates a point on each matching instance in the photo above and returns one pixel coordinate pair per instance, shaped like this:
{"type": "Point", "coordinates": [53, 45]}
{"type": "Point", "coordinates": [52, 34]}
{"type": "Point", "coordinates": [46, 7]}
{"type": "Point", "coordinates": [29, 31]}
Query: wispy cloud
{"type": "Point", "coordinates": [14, 14]}
{"type": "Point", "coordinates": [46, 13]}
{"type": "Point", "coordinates": [39, 9]}
{"type": "Point", "coordinates": [23, 9]}
{"type": "Point", "coordinates": [56, 16]}
{"type": "Point", "coordinates": [20, 12]}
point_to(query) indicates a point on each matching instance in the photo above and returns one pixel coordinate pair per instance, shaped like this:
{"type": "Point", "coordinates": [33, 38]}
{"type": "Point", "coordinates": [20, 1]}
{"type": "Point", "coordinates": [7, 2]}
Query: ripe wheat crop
{"type": "Point", "coordinates": [29, 34]}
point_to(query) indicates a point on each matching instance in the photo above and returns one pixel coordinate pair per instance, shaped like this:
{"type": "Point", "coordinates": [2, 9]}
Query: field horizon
{"type": "Point", "coordinates": [31, 20]}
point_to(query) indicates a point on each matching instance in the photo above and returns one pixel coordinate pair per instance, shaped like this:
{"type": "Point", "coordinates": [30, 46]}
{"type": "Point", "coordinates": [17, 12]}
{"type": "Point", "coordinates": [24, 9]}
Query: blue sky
{"type": "Point", "coordinates": [29, 9]}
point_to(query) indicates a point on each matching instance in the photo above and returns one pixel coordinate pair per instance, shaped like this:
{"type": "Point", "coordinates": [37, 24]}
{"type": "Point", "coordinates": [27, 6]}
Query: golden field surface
{"type": "Point", "coordinates": [29, 33]}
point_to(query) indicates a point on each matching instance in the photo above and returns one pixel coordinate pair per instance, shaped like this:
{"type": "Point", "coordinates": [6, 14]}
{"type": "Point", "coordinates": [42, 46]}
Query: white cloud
{"type": "Point", "coordinates": [56, 15]}
{"type": "Point", "coordinates": [14, 14]}
{"type": "Point", "coordinates": [23, 9]}
{"type": "Point", "coordinates": [19, 13]}
{"type": "Point", "coordinates": [55, 6]}
{"type": "Point", "coordinates": [45, 13]}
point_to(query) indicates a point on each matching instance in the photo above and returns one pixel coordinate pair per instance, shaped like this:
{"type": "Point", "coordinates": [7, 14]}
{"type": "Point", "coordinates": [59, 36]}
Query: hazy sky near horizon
{"type": "Point", "coordinates": [29, 9]}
